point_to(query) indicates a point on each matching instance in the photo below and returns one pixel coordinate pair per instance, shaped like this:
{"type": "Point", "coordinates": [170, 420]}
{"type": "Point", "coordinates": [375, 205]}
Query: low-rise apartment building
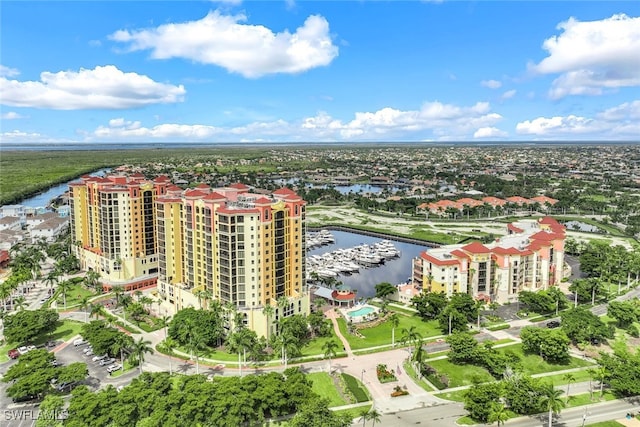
{"type": "Point", "coordinates": [530, 257]}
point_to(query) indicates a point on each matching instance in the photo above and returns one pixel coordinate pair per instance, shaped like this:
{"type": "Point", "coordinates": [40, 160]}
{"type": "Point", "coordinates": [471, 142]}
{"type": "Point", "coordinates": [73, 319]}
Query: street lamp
{"type": "Point", "coordinates": [362, 376]}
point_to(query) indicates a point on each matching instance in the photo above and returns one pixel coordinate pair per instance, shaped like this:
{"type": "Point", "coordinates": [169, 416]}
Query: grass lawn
{"type": "Point", "coordinates": [314, 347]}
{"type": "Point", "coordinates": [381, 334]}
{"type": "Point", "coordinates": [456, 396]}
{"type": "Point", "coordinates": [534, 364]}
{"type": "Point", "coordinates": [606, 424]}
{"type": "Point", "coordinates": [460, 375]}
{"type": "Point", "coordinates": [585, 399]}
{"type": "Point", "coordinates": [74, 296]}
{"type": "Point", "coordinates": [323, 384]}
{"type": "Point", "coordinates": [408, 368]}
{"type": "Point", "coordinates": [127, 367]}
{"type": "Point", "coordinates": [559, 380]}
{"type": "Point", "coordinates": [355, 412]}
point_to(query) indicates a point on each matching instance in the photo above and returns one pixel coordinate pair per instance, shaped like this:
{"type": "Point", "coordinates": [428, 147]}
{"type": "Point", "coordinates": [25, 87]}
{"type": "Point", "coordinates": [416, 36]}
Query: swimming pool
{"type": "Point", "coordinates": [363, 311]}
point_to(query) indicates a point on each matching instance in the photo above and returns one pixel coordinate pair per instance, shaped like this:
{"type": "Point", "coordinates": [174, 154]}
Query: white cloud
{"type": "Point", "coordinates": [250, 50]}
{"type": "Point", "coordinates": [490, 132]}
{"type": "Point", "coordinates": [433, 119]}
{"type": "Point", "coordinates": [491, 84]}
{"type": "Point", "coordinates": [101, 88]}
{"type": "Point", "coordinates": [508, 94]}
{"type": "Point", "coordinates": [593, 56]}
{"type": "Point", "coordinates": [18, 135]}
{"type": "Point", "coordinates": [8, 72]}
{"type": "Point", "coordinates": [12, 115]}
{"type": "Point", "coordinates": [617, 123]}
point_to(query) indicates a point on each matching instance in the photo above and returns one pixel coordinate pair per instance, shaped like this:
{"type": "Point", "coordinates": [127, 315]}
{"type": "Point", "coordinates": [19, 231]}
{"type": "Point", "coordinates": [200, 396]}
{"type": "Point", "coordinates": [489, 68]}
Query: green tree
{"type": "Point", "coordinates": [64, 287]}
{"type": "Point", "coordinates": [478, 400]}
{"type": "Point", "coordinates": [316, 413]}
{"type": "Point", "coordinates": [374, 416]}
{"type": "Point", "coordinates": [498, 413]}
{"type": "Point", "coordinates": [569, 378]}
{"type": "Point", "coordinates": [169, 345]}
{"type": "Point", "coordinates": [27, 325]}
{"type": "Point", "coordinates": [463, 348]}
{"type": "Point", "coordinates": [330, 348]}
{"type": "Point", "coordinates": [581, 325]}
{"type": "Point", "coordinates": [625, 312]}
{"type": "Point", "coordinates": [430, 304]}
{"type": "Point", "coordinates": [384, 289]}
{"type": "Point", "coordinates": [395, 321]}
{"type": "Point", "coordinates": [550, 344]}
{"type": "Point", "coordinates": [139, 349]}
{"type": "Point", "coordinates": [551, 400]}
{"type": "Point", "coordinates": [50, 414]}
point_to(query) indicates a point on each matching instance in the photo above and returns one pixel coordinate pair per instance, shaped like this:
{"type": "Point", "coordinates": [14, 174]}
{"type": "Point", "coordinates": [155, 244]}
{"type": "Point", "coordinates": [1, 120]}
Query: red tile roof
{"type": "Point", "coordinates": [428, 257]}
{"type": "Point", "coordinates": [476, 248]}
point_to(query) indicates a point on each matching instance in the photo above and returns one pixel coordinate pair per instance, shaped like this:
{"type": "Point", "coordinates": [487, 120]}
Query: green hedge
{"type": "Point", "coordinates": [352, 384]}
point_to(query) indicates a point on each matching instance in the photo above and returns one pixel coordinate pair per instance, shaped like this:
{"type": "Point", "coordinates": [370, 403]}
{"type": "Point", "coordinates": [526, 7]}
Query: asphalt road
{"type": "Point", "coordinates": [446, 415]}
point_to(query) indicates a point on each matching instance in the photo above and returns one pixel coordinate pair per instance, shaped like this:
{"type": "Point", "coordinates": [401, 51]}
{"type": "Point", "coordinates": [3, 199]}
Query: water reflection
{"type": "Point", "coordinates": [394, 271]}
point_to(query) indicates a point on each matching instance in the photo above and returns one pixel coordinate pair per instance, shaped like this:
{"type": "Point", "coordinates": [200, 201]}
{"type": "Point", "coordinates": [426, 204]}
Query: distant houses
{"type": "Point", "coordinates": [446, 207]}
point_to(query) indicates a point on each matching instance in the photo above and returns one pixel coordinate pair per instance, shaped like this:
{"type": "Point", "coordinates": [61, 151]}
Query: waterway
{"type": "Point", "coordinates": [394, 271]}
{"type": "Point", "coordinates": [42, 199]}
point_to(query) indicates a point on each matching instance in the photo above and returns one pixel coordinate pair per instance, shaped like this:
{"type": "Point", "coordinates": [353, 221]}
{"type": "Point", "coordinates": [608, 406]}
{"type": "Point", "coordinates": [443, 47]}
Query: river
{"type": "Point", "coordinates": [394, 271]}
{"type": "Point", "coordinates": [43, 199]}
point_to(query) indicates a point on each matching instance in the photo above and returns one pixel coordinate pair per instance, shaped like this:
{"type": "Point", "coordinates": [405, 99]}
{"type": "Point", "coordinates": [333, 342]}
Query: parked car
{"type": "Point", "coordinates": [97, 358]}
{"type": "Point", "coordinates": [107, 362]}
{"type": "Point", "coordinates": [87, 350]}
{"type": "Point", "coordinates": [78, 342]}
{"type": "Point", "coordinates": [114, 367]}
{"type": "Point", "coordinates": [553, 324]}
{"type": "Point", "coordinates": [89, 353]}
{"type": "Point", "coordinates": [55, 363]}
{"type": "Point", "coordinates": [23, 349]}
{"type": "Point", "coordinates": [22, 399]}
{"type": "Point", "coordinates": [13, 353]}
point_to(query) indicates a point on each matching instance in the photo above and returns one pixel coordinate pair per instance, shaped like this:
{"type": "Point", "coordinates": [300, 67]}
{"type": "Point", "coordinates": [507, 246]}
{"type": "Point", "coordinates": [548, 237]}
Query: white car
{"type": "Point", "coordinates": [107, 362]}
{"type": "Point", "coordinates": [78, 342]}
{"type": "Point", "coordinates": [97, 358]}
{"type": "Point", "coordinates": [22, 350]}
{"type": "Point", "coordinates": [114, 367]}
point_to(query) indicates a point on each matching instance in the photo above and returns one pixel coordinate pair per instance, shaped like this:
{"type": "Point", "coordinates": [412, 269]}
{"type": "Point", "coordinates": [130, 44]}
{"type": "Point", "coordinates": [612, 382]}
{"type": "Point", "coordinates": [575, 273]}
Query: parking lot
{"type": "Point", "coordinates": [25, 414]}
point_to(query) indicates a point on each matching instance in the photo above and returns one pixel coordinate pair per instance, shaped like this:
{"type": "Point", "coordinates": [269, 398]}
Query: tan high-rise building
{"type": "Point", "coordinates": [113, 228]}
{"type": "Point", "coordinates": [241, 249]}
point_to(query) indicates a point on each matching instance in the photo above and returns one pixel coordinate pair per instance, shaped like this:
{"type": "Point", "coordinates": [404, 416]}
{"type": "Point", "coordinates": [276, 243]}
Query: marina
{"type": "Point", "coordinates": [345, 261]}
{"type": "Point", "coordinates": [357, 260]}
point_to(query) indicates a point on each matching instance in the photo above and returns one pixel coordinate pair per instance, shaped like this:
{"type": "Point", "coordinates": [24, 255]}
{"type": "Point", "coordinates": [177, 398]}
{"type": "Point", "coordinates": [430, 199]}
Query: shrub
{"type": "Point", "coordinates": [384, 375]}
{"type": "Point", "coordinates": [499, 327]}
{"type": "Point", "coordinates": [399, 391]}
{"type": "Point", "coordinates": [352, 385]}
{"type": "Point", "coordinates": [633, 331]}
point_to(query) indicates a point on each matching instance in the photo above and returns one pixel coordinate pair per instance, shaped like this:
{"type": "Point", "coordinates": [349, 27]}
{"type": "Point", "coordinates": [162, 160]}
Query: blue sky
{"type": "Point", "coordinates": [305, 71]}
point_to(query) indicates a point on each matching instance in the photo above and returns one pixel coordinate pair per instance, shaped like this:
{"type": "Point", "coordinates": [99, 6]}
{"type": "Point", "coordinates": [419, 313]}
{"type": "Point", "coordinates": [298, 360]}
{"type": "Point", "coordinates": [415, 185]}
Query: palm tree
{"type": "Point", "coordinates": [52, 278]}
{"type": "Point", "coordinates": [139, 349]}
{"type": "Point", "coordinates": [165, 321]}
{"type": "Point", "coordinates": [498, 414]}
{"type": "Point", "coordinates": [121, 344]}
{"type": "Point", "coordinates": [374, 416]}
{"type": "Point", "coordinates": [286, 341]}
{"type": "Point", "coordinates": [330, 348]}
{"type": "Point", "coordinates": [84, 305]}
{"type": "Point", "coordinates": [20, 301]}
{"type": "Point", "coordinates": [395, 321]}
{"type": "Point", "coordinates": [413, 337]}
{"type": "Point", "coordinates": [364, 416]}
{"type": "Point", "coordinates": [569, 378]}
{"type": "Point", "coordinates": [551, 400]}
{"type": "Point", "coordinates": [91, 279]}
{"type": "Point", "coordinates": [64, 287]}
{"type": "Point", "coordinates": [195, 344]}
{"type": "Point", "coordinates": [268, 311]}
{"type": "Point", "coordinates": [169, 346]}
{"type": "Point", "coordinates": [96, 310]}
{"type": "Point", "coordinates": [118, 291]}
{"type": "Point", "coordinates": [600, 374]}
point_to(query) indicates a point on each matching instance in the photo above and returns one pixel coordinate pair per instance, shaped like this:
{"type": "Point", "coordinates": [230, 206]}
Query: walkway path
{"type": "Point", "coordinates": [333, 315]}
